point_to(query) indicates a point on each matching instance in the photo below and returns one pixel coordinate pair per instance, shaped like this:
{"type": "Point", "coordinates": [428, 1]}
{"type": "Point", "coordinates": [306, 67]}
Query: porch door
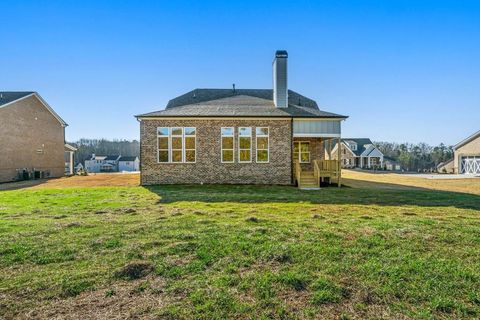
{"type": "Point", "coordinates": [301, 151]}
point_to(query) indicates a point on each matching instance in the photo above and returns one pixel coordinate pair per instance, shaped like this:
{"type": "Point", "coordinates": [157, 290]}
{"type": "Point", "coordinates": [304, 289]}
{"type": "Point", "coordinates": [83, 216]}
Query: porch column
{"type": "Point", "coordinates": [339, 150]}
{"type": "Point", "coordinates": [368, 161]}
{"type": "Point", "coordinates": [329, 149]}
{"type": "Point", "coordinates": [71, 163]}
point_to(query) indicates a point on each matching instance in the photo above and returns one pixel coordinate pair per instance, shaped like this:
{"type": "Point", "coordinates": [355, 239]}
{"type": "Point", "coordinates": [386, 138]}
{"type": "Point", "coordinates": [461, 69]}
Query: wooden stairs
{"type": "Point", "coordinates": [308, 181]}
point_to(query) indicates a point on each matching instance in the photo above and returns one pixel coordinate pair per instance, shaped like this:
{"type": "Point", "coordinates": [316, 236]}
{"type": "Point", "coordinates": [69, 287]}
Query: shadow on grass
{"type": "Point", "coordinates": [16, 185]}
{"type": "Point", "coordinates": [332, 195]}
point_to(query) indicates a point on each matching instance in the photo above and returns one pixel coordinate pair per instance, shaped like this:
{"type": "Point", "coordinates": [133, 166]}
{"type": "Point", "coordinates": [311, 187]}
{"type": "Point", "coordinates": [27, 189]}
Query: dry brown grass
{"type": "Point", "coordinates": [92, 180]}
{"type": "Point", "coordinates": [357, 179]}
{"type": "Point", "coordinates": [137, 299]}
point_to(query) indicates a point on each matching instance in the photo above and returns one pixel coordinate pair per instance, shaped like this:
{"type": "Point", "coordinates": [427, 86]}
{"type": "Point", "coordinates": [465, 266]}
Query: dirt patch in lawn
{"type": "Point", "coordinates": [122, 300]}
{"type": "Point", "coordinates": [93, 180]}
{"type": "Point", "coordinates": [361, 179]}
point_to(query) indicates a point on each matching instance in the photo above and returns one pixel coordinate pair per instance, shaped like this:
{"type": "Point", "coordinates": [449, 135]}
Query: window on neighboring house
{"type": "Point", "coordinates": [245, 144]}
{"type": "Point", "coordinates": [262, 137]}
{"type": "Point", "coordinates": [176, 144]}
{"type": "Point", "coordinates": [353, 146]}
{"type": "Point", "coordinates": [227, 136]}
{"type": "Point", "coordinates": [301, 151]}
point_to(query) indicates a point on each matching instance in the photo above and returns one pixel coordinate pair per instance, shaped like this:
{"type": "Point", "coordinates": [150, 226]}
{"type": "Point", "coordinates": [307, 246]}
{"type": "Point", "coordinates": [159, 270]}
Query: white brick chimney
{"type": "Point", "coordinates": [280, 89]}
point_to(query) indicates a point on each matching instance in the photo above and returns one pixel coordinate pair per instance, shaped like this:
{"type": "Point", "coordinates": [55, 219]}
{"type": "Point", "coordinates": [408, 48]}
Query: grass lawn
{"type": "Point", "coordinates": [216, 252]}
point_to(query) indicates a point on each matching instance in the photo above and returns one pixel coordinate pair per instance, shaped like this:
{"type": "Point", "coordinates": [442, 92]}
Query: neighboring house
{"type": "Point", "coordinates": [239, 136]}
{"type": "Point", "coordinates": [128, 164]}
{"type": "Point", "coordinates": [97, 164]}
{"type": "Point", "coordinates": [446, 167]}
{"type": "Point", "coordinates": [359, 153]}
{"type": "Point", "coordinates": [467, 155]}
{"type": "Point", "coordinates": [114, 163]}
{"type": "Point", "coordinates": [391, 164]}
{"type": "Point", "coordinates": [32, 137]}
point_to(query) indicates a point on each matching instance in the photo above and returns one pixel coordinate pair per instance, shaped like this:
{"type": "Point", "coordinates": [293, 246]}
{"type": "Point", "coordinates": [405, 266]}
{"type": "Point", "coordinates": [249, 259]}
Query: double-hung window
{"type": "Point", "coordinates": [262, 137]}
{"type": "Point", "coordinates": [227, 136]}
{"type": "Point", "coordinates": [301, 151]}
{"type": "Point", "coordinates": [163, 137]}
{"type": "Point", "coordinates": [190, 144]}
{"type": "Point", "coordinates": [245, 144]}
{"type": "Point", "coordinates": [176, 144]}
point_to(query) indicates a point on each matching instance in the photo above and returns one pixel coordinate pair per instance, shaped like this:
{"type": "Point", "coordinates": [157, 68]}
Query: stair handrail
{"type": "Point", "coordinates": [298, 171]}
{"type": "Point", "coordinates": [316, 172]}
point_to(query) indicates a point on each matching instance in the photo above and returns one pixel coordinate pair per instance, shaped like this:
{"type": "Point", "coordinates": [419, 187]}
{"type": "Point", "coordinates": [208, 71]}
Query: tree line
{"type": "Point", "coordinates": [416, 157]}
{"type": "Point", "coordinates": [85, 148]}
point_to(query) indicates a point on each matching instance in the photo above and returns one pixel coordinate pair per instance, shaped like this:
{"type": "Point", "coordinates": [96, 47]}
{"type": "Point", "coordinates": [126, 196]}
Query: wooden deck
{"type": "Point", "coordinates": [323, 171]}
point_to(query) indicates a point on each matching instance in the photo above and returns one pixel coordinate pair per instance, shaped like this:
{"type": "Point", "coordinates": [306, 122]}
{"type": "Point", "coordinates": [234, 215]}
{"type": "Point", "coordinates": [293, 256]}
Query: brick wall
{"type": "Point", "coordinates": [317, 151]}
{"type": "Point", "coordinates": [208, 167]}
{"type": "Point", "coordinates": [25, 127]}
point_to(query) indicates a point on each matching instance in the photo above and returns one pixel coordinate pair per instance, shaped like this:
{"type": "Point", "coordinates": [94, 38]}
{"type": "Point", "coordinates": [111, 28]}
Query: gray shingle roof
{"type": "Point", "coordinates": [239, 103]}
{"type": "Point", "coordinates": [361, 142]}
{"type": "Point", "coordinates": [10, 96]}
{"type": "Point", "coordinates": [127, 158]}
{"type": "Point", "coordinates": [111, 158]}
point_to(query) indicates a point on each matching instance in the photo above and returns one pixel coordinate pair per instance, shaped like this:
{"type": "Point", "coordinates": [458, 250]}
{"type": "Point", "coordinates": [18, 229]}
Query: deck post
{"type": "Point", "coordinates": [339, 149]}
{"type": "Point", "coordinates": [330, 158]}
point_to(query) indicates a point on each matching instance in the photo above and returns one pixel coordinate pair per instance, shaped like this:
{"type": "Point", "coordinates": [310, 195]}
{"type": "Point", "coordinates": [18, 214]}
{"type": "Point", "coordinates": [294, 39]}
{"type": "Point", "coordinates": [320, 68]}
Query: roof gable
{"type": "Point", "coordinates": [9, 97]}
{"type": "Point", "coordinates": [467, 140]}
{"type": "Point", "coordinates": [364, 146]}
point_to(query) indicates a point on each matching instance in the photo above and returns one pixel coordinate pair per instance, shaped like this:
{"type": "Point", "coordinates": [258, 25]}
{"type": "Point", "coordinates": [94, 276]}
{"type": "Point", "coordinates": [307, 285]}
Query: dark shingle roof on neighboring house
{"type": "Point", "coordinates": [239, 103]}
{"type": "Point", "coordinates": [127, 158]}
{"type": "Point", "coordinates": [10, 96]}
{"type": "Point", "coordinates": [361, 143]}
{"type": "Point", "coordinates": [115, 157]}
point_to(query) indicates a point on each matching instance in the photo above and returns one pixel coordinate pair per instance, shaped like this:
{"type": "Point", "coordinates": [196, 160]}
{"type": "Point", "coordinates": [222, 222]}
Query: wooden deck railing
{"type": "Point", "coordinates": [328, 169]}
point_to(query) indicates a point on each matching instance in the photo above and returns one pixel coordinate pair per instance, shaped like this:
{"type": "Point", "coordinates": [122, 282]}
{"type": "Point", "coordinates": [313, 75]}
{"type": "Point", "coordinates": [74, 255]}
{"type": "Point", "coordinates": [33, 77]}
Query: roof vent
{"type": "Point", "coordinates": [233, 88]}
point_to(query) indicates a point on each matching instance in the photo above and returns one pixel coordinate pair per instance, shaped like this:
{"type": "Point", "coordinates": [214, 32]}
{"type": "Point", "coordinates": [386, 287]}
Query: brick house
{"type": "Point", "coordinates": [359, 153]}
{"type": "Point", "coordinates": [32, 138]}
{"type": "Point", "coordinates": [240, 136]}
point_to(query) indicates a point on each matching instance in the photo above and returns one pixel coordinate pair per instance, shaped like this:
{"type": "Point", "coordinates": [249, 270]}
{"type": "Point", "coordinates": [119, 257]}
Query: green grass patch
{"type": "Point", "coordinates": [243, 251]}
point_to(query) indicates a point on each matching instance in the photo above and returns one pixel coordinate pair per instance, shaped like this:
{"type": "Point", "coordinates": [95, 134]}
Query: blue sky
{"type": "Point", "coordinates": [402, 70]}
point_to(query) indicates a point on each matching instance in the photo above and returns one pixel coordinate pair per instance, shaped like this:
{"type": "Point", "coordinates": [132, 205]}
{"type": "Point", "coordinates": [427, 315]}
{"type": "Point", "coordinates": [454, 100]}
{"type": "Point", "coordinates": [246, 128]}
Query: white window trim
{"type": "Point", "coordinates": [300, 153]}
{"type": "Point", "coordinates": [233, 144]}
{"type": "Point", "coordinates": [250, 136]}
{"type": "Point", "coordinates": [169, 145]}
{"type": "Point", "coordinates": [182, 150]}
{"type": "Point", "coordinates": [185, 145]}
{"type": "Point", "coordinates": [170, 149]}
{"type": "Point", "coordinates": [268, 144]}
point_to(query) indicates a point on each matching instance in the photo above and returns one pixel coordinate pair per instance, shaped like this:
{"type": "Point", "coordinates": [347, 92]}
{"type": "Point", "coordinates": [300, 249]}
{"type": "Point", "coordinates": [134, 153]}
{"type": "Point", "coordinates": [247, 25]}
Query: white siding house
{"type": "Point", "coordinates": [102, 163]}
{"type": "Point", "coordinates": [128, 164]}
